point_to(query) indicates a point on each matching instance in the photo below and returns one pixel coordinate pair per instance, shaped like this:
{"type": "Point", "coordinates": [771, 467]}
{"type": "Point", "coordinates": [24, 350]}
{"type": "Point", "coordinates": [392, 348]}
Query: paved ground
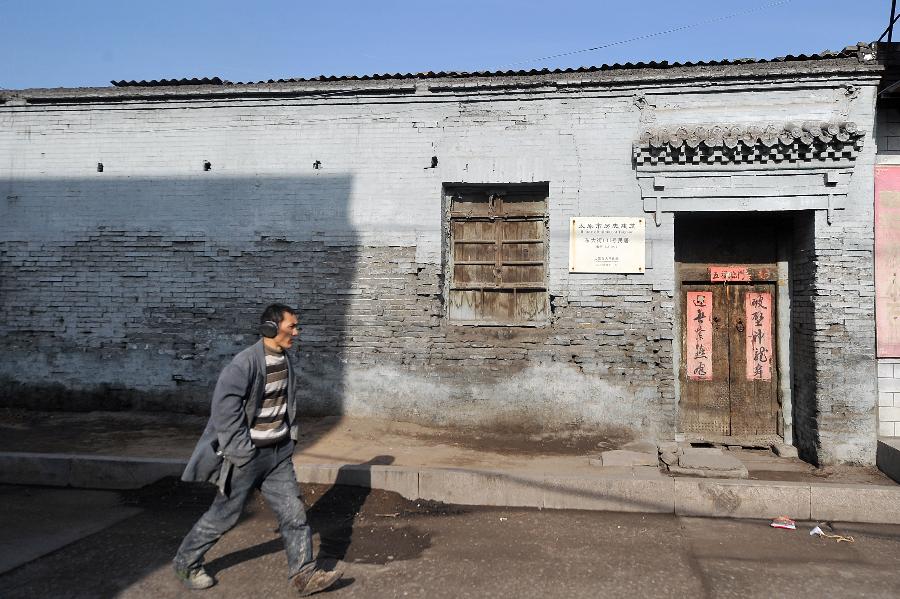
{"type": "Point", "coordinates": [35, 520]}
{"type": "Point", "coordinates": [395, 548]}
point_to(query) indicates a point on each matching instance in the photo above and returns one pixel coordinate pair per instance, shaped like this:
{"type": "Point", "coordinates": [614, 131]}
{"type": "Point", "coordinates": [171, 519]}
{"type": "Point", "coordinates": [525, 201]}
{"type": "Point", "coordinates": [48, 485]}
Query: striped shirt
{"type": "Point", "coordinates": [269, 426]}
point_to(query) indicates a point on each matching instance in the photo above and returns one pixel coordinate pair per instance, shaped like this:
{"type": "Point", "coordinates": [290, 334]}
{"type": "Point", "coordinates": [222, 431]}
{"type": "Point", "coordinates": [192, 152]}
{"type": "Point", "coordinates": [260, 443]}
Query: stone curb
{"type": "Point", "coordinates": [87, 471]}
{"type": "Point", "coordinates": [720, 498]}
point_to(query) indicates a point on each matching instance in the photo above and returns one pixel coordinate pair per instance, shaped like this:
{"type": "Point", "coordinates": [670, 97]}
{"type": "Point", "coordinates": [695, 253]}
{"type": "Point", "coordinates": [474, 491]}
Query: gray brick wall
{"type": "Point", "coordinates": [833, 338]}
{"type": "Point", "coordinates": [845, 337]}
{"type": "Point", "coordinates": [132, 287]}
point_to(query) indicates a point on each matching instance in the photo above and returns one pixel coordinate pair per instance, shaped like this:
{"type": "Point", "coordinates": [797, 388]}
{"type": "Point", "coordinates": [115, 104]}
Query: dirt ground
{"type": "Point", "coordinates": [133, 432]}
{"type": "Point", "coordinates": [570, 442]}
{"type": "Point", "coordinates": [355, 440]}
{"type": "Point", "coordinates": [100, 433]}
{"type": "Point", "coordinates": [351, 440]}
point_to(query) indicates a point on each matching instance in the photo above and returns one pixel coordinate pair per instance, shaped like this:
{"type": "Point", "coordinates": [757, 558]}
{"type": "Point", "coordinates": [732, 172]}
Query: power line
{"type": "Point", "coordinates": [650, 35]}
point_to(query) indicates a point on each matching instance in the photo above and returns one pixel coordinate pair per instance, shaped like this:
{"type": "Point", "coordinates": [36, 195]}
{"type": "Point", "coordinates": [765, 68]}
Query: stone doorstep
{"type": "Point", "coordinates": [706, 462]}
{"type": "Point", "coordinates": [706, 459]}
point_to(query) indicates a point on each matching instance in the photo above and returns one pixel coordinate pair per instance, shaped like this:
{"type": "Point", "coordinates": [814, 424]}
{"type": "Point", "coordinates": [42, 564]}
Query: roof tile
{"type": "Point", "coordinates": [664, 64]}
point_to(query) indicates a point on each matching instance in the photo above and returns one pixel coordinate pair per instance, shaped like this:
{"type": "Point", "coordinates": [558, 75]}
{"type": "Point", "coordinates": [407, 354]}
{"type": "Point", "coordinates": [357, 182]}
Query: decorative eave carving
{"type": "Point", "coordinates": [809, 142]}
{"type": "Point", "coordinates": [725, 168]}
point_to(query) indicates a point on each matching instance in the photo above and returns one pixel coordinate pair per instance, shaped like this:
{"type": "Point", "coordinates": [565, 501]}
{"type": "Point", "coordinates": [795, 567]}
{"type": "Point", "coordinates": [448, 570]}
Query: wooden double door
{"type": "Point", "coordinates": [729, 379]}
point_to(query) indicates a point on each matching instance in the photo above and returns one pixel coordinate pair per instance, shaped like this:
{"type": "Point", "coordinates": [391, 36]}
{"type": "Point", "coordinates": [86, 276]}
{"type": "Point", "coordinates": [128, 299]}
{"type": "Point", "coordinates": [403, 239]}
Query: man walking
{"type": "Point", "coordinates": [247, 444]}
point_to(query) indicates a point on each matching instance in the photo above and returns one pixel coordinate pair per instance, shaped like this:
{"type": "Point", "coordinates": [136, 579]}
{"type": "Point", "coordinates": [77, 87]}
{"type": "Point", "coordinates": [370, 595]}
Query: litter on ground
{"type": "Point", "coordinates": [784, 522]}
{"type": "Point", "coordinates": [818, 532]}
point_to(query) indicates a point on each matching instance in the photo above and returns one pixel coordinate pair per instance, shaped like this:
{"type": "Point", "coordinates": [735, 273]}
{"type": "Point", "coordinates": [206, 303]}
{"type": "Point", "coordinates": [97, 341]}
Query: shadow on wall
{"type": "Point", "coordinates": [803, 337]}
{"type": "Point", "coordinates": [123, 293]}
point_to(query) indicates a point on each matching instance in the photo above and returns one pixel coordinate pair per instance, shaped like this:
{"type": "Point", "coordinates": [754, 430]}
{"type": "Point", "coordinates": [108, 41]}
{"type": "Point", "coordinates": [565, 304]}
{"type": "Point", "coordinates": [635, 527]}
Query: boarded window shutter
{"type": "Point", "coordinates": [498, 256]}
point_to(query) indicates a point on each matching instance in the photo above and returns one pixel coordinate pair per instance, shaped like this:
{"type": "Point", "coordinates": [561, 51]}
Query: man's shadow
{"type": "Point", "coordinates": [334, 513]}
{"type": "Point", "coordinates": [332, 516]}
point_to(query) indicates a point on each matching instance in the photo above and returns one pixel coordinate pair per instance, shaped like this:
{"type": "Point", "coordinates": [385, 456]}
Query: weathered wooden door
{"type": "Point", "coordinates": [728, 369]}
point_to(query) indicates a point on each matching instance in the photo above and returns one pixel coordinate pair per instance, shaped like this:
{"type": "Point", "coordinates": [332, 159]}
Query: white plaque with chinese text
{"type": "Point", "coordinates": [607, 244]}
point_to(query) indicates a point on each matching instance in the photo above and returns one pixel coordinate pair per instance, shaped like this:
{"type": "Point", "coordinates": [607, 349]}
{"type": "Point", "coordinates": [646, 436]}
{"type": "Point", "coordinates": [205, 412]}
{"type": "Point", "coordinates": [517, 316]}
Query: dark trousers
{"type": "Point", "coordinates": [272, 471]}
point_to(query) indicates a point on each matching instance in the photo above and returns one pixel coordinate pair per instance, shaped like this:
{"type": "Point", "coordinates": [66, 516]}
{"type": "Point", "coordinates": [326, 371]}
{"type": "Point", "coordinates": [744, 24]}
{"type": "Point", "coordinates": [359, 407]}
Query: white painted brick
{"type": "Point", "coordinates": [889, 385]}
{"type": "Point", "coordinates": [885, 370]}
{"type": "Point", "coordinates": [886, 429]}
{"type": "Point", "coordinates": [889, 414]}
{"type": "Point", "coordinates": [885, 399]}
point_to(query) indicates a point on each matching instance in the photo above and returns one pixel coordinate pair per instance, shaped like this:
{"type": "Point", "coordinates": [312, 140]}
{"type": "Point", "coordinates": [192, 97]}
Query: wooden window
{"type": "Point", "coordinates": [497, 263]}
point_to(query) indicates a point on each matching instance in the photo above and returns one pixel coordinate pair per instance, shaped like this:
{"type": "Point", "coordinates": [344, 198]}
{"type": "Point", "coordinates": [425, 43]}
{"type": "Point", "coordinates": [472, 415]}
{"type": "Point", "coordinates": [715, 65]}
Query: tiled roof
{"type": "Point", "coordinates": [167, 82]}
{"type": "Point", "coordinates": [850, 51]}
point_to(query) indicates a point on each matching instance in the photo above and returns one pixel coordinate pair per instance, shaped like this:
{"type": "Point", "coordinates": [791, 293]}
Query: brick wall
{"type": "Point", "coordinates": [132, 287]}
{"type": "Point", "coordinates": [833, 329]}
{"type": "Point", "coordinates": [845, 336]}
{"type": "Point", "coordinates": [889, 397]}
{"type": "Point", "coordinates": [833, 340]}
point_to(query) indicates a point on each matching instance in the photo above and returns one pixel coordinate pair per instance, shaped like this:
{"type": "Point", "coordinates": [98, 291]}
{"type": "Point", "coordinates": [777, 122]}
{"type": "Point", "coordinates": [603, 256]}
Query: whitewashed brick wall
{"type": "Point", "coordinates": [889, 397]}
{"type": "Point", "coordinates": [131, 287]}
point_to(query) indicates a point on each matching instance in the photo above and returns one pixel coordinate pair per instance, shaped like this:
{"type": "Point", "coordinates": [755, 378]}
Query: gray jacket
{"type": "Point", "coordinates": [225, 442]}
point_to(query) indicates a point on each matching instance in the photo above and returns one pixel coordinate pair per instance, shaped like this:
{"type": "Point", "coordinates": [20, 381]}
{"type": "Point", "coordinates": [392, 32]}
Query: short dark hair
{"type": "Point", "coordinates": [276, 312]}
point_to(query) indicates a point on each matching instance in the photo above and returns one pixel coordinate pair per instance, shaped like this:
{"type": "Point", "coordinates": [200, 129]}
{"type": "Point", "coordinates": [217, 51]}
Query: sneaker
{"type": "Point", "coordinates": [315, 580]}
{"type": "Point", "coordinates": [195, 578]}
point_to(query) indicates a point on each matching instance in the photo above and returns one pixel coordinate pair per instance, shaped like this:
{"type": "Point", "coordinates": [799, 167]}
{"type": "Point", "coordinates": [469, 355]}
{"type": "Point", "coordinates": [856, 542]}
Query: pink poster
{"type": "Point", "coordinates": [758, 309]}
{"type": "Point", "coordinates": [699, 336]}
{"type": "Point", "coordinates": [887, 261]}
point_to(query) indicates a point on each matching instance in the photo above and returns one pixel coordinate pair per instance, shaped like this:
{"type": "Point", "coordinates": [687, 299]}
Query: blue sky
{"type": "Point", "coordinates": [72, 43]}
